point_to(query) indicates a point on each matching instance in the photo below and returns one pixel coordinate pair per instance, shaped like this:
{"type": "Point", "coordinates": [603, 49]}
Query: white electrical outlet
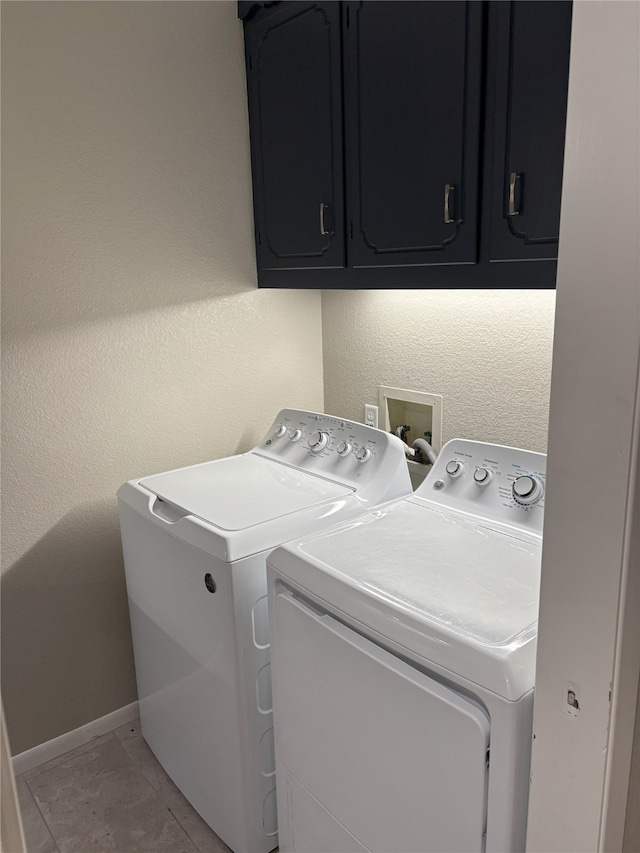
{"type": "Point", "coordinates": [371, 415]}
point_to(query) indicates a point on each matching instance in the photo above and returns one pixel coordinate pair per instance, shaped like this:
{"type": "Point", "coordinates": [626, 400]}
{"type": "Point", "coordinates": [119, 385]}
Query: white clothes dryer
{"type": "Point", "coordinates": [403, 664]}
{"type": "Point", "coordinates": [195, 542]}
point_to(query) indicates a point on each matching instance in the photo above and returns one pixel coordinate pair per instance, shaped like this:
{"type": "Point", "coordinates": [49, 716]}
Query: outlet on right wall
{"type": "Point", "coordinates": [488, 352]}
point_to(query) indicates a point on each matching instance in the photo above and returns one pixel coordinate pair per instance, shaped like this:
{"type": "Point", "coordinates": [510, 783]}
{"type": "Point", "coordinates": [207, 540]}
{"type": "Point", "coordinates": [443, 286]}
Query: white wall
{"type": "Point", "coordinates": [589, 628]}
{"type": "Point", "coordinates": [134, 337]}
{"type": "Point", "coordinates": [487, 352]}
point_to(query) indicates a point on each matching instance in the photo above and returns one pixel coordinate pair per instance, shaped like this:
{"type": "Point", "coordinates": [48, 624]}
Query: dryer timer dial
{"type": "Point", "coordinates": [363, 454]}
{"type": "Point", "coordinates": [318, 440]}
{"type": "Point", "coordinates": [455, 468]}
{"type": "Point", "coordinates": [482, 476]}
{"type": "Point", "coordinates": [527, 490]}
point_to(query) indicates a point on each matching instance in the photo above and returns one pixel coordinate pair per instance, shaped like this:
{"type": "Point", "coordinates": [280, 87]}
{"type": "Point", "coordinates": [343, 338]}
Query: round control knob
{"type": "Point", "coordinates": [527, 490]}
{"type": "Point", "coordinates": [318, 440]}
{"type": "Point", "coordinates": [455, 468]}
{"type": "Point", "coordinates": [295, 434]}
{"type": "Point", "coordinates": [363, 454]}
{"type": "Point", "coordinates": [483, 476]}
{"type": "Point", "coordinates": [344, 448]}
{"type": "Point", "coordinates": [280, 430]}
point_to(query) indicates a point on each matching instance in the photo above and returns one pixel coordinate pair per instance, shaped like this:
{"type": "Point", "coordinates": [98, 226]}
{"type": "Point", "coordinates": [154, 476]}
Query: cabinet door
{"type": "Point", "coordinates": [295, 111]}
{"type": "Point", "coordinates": [532, 40]}
{"type": "Point", "coordinates": [413, 75]}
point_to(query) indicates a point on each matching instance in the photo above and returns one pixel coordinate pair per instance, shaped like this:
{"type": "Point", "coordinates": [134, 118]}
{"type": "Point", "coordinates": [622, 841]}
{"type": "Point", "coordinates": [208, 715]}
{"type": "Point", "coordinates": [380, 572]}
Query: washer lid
{"type": "Point", "coordinates": [459, 593]}
{"type": "Point", "coordinates": [242, 491]}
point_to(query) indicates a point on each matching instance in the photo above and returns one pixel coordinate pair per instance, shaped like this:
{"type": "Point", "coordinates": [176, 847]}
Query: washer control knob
{"type": "Point", "coordinates": [295, 434]}
{"type": "Point", "coordinates": [455, 468]}
{"type": "Point", "coordinates": [318, 440]}
{"type": "Point", "coordinates": [527, 490]}
{"type": "Point", "coordinates": [280, 430]}
{"type": "Point", "coordinates": [363, 454]}
{"type": "Point", "coordinates": [483, 476]}
{"type": "Point", "coordinates": [344, 448]}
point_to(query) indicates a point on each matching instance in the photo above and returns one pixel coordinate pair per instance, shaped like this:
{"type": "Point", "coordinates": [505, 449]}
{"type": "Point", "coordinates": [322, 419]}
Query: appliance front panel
{"type": "Point", "coordinates": [369, 460]}
{"type": "Point", "coordinates": [346, 711]}
{"type": "Point", "coordinates": [183, 609]}
{"type": "Point", "coordinates": [502, 486]}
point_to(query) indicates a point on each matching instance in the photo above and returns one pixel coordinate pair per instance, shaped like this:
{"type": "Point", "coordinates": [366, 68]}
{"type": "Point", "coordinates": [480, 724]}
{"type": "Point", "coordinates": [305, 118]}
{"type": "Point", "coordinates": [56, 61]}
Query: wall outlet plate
{"type": "Point", "coordinates": [419, 410]}
{"type": "Point", "coordinates": [371, 415]}
{"type": "Point", "coordinates": [571, 698]}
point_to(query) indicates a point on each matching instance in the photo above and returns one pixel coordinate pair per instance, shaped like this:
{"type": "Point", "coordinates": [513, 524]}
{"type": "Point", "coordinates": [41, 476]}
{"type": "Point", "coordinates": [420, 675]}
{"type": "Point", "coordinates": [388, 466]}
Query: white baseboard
{"type": "Point", "coordinates": [78, 737]}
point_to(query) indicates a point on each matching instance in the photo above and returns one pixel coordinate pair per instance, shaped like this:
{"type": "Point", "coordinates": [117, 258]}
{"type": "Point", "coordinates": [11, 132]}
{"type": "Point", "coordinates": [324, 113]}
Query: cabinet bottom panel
{"type": "Point", "coordinates": [504, 275]}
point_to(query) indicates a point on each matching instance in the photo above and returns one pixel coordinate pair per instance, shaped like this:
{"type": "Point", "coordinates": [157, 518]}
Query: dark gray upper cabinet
{"type": "Point", "coordinates": [530, 54]}
{"type": "Point", "coordinates": [295, 114]}
{"type": "Point", "coordinates": [412, 104]}
{"type": "Point", "coordinates": [407, 144]}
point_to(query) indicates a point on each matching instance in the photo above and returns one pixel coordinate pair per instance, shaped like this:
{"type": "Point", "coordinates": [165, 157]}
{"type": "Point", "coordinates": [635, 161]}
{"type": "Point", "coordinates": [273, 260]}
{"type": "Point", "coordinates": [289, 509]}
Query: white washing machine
{"type": "Point", "coordinates": [403, 663]}
{"type": "Point", "coordinates": [195, 542]}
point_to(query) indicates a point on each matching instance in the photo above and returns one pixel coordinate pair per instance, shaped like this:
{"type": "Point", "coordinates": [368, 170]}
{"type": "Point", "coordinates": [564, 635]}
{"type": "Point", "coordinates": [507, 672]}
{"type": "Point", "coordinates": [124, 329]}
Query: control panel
{"type": "Point", "coordinates": [348, 452]}
{"type": "Point", "coordinates": [501, 484]}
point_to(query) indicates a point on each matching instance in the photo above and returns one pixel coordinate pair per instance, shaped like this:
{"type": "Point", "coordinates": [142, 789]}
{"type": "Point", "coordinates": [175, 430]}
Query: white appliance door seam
{"type": "Point", "coordinates": [344, 707]}
{"type": "Point", "coordinates": [395, 649]}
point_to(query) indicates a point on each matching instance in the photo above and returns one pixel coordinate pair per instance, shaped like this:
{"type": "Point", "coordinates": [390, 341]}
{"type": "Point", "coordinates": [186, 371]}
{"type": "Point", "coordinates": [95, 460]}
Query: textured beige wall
{"type": "Point", "coordinates": [134, 337]}
{"type": "Point", "coordinates": [487, 352]}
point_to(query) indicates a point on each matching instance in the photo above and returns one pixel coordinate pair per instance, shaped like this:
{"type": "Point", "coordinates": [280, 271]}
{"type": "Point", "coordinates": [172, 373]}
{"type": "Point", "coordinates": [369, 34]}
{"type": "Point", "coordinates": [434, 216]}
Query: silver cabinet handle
{"type": "Point", "coordinates": [323, 230]}
{"type": "Point", "coordinates": [514, 177]}
{"type": "Point", "coordinates": [448, 189]}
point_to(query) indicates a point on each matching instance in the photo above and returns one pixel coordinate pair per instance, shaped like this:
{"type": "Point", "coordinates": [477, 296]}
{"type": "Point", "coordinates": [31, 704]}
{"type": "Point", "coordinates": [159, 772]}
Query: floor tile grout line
{"type": "Point", "coordinates": [59, 763]}
{"type": "Point", "coordinates": [184, 829]}
{"type": "Point", "coordinates": [158, 793]}
{"type": "Point", "coordinates": [135, 765]}
{"type": "Point", "coordinates": [133, 761]}
{"type": "Point", "coordinates": [44, 820]}
{"type": "Point", "coordinates": [138, 767]}
{"type": "Point", "coordinates": [160, 797]}
{"type": "Point", "coordinates": [52, 763]}
{"type": "Point", "coordinates": [35, 772]}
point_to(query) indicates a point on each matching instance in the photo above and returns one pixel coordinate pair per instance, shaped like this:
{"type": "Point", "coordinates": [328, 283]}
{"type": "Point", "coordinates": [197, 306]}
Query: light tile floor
{"type": "Point", "coordinates": [110, 795]}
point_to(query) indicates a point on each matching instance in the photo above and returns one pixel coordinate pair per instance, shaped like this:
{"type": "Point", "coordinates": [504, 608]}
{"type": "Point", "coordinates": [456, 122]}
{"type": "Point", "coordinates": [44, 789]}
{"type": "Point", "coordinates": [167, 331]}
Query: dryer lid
{"type": "Point", "coordinates": [446, 587]}
{"type": "Point", "coordinates": [242, 491]}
